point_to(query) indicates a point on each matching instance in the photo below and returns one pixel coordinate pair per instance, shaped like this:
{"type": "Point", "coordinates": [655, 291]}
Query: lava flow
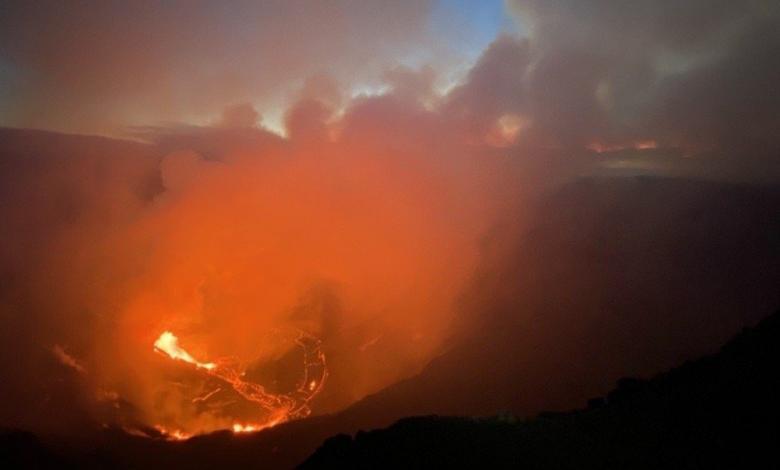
{"type": "Point", "coordinates": [280, 407]}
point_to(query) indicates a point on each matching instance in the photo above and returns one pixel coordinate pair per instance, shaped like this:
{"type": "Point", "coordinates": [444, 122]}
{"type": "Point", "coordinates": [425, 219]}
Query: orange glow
{"type": "Point", "coordinates": [168, 343]}
{"type": "Point", "coordinates": [363, 241]}
{"type": "Point", "coordinates": [279, 407]}
{"type": "Point", "coordinates": [600, 147]}
{"type": "Point", "coordinates": [67, 360]}
{"type": "Point", "coordinates": [173, 434]}
{"type": "Point", "coordinates": [239, 428]}
{"type": "Point", "coordinates": [506, 130]}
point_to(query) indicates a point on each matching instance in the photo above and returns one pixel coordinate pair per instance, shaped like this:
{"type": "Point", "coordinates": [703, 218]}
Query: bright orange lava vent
{"type": "Point", "coordinates": [280, 407]}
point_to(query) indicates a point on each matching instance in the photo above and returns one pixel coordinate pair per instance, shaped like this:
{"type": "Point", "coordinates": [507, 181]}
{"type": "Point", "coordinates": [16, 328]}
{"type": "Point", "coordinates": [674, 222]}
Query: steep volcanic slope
{"type": "Point", "coordinates": [621, 277]}
{"type": "Point", "coordinates": [721, 411]}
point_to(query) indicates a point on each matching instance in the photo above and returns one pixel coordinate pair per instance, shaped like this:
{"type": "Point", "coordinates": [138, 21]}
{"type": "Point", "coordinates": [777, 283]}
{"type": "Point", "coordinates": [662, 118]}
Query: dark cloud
{"type": "Point", "coordinates": [696, 74]}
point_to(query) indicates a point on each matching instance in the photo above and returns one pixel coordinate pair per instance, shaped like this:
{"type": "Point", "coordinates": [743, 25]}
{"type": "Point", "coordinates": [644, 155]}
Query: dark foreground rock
{"type": "Point", "coordinates": [721, 411]}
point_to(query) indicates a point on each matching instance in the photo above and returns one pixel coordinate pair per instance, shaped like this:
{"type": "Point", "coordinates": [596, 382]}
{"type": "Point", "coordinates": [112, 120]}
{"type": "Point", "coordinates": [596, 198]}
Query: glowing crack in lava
{"type": "Point", "coordinates": [281, 407]}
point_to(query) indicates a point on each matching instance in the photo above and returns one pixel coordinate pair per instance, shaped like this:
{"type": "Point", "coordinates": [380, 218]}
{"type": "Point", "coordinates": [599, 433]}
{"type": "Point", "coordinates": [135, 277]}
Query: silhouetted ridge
{"type": "Point", "coordinates": [720, 411]}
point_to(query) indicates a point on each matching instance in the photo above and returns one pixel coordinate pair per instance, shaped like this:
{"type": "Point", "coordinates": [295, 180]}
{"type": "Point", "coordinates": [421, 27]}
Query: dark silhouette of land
{"type": "Point", "coordinates": [721, 411]}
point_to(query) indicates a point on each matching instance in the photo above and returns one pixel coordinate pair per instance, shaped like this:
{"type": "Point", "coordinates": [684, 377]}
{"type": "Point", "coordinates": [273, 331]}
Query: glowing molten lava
{"type": "Point", "coordinates": [280, 407]}
{"type": "Point", "coordinates": [169, 344]}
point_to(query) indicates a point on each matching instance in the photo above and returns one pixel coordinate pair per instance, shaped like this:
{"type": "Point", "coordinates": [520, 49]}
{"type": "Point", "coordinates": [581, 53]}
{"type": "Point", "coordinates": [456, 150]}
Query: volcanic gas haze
{"type": "Point", "coordinates": [260, 278]}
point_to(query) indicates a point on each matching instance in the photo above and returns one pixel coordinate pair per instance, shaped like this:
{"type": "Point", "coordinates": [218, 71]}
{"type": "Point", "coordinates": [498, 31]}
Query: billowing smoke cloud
{"type": "Point", "coordinates": [694, 74]}
{"type": "Point", "coordinates": [361, 229]}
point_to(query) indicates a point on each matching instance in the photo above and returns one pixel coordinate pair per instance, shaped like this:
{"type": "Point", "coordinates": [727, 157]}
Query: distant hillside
{"type": "Point", "coordinates": [721, 411]}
